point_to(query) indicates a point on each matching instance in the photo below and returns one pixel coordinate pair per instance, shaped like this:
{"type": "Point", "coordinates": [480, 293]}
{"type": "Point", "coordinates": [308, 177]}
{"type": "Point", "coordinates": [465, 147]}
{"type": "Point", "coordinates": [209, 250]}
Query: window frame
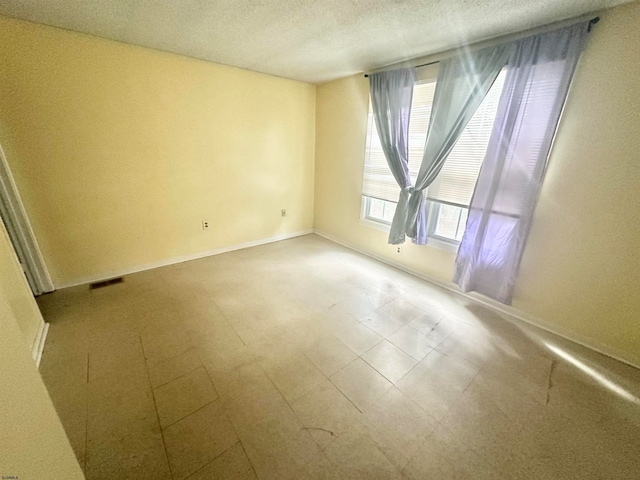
{"type": "Point", "coordinates": [424, 75]}
{"type": "Point", "coordinates": [444, 243]}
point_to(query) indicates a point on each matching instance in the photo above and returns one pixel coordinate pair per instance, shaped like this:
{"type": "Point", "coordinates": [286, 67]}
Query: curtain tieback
{"type": "Point", "coordinates": [410, 191]}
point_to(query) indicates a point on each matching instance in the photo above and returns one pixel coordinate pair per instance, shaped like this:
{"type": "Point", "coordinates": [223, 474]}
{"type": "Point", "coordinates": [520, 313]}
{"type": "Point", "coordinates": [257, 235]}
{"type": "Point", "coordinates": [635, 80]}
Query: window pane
{"type": "Point", "coordinates": [389, 211]}
{"type": "Point", "coordinates": [447, 221]}
{"type": "Point", "coordinates": [462, 223]}
{"type": "Point", "coordinates": [376, 208]}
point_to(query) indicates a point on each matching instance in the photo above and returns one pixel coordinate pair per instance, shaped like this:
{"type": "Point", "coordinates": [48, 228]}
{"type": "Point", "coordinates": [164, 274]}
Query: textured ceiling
{"type": "Point", "coordinates": [307, 40]}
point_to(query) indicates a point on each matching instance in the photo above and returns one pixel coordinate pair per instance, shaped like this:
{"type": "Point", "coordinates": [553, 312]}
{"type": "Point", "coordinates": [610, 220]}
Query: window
{"type": "Point", "coordinates": [450, 194]}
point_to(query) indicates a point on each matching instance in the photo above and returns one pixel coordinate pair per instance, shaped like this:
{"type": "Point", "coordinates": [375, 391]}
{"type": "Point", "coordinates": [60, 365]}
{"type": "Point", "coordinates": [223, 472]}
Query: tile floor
{"type": "Point", "coordinates": [302, 359]}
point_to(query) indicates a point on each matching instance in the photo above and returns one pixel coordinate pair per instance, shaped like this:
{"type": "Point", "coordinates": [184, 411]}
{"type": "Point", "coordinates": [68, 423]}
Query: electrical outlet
{"type": "Point", "coordinates": [398, 249]}
{"type": "Point", "coordinates": [283, 212]}
{"type": "Point", "coordinates": [205, 224]}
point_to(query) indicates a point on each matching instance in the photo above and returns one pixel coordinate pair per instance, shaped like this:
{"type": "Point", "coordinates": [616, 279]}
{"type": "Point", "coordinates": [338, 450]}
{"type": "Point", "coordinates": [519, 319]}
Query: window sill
{"type": "Point", "coordinates": [383, 227]}
{"type": "Point", "coordinates": [443, 244]}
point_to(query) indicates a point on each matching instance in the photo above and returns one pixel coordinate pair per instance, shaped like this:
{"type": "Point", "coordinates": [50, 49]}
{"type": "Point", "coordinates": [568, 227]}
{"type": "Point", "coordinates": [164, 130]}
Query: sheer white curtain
{"type": "Point", "coordinates": [539, 73]}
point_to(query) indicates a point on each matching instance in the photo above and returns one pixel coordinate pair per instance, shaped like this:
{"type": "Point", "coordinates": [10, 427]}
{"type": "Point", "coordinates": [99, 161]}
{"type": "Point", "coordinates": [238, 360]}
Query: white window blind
{"type": "Point", "coordinates": [378, 182]}
{"type": "Point", "coordinates": [456, 181]}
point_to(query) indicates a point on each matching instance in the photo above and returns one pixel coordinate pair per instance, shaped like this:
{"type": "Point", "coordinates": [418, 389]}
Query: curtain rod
{"type": "Point", "coordinates": [592, 22]}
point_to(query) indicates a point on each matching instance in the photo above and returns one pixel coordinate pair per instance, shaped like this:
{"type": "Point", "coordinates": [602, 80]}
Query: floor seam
{"type": "Point", "coordinates": [179, 376]}
{"type": "Point", "coordinates": [164, 444]}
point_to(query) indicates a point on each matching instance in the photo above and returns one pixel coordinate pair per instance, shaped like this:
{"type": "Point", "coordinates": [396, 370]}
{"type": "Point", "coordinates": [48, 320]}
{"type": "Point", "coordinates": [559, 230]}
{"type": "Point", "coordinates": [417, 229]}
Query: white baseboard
{"type": "Point", "coordinates": [184, 258]}
{"type": "Point", "coordinates": [38, 343]}
{"type": "Point", "coordinates": [492, 304]}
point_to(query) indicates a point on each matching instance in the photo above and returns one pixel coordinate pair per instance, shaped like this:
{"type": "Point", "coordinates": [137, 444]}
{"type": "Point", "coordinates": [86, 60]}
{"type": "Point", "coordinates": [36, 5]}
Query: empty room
{"type": "Point", "coordinates": [341, 239]}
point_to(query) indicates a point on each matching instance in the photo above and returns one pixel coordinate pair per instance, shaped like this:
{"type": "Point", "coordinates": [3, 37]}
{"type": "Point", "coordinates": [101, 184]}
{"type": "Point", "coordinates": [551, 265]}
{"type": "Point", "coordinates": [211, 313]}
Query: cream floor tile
{"type": "Point", "coordinates": [389, 360]}
{"type": "Point", "coordinates": [329, 354]}
{"type": "Point", "coordinates": [155, 320]}
{"type": "Point", "coordinates": [114, 354]}
{"type": "Point", "coordinates": [361, 384]}
{"type": "Point", "coordinates": [326, 413]}
{"type": "Point", "coordinates": [319, 468]}
{"type": "Point", "coordinates": [480, 425]}
{"type": "Point", "coordinates": [225, 353]}
{"type": "Point", "coordinates": [412, 342]}
{"type": "Point", "coordinates": [294, 375]}
{"type": "Point", "coordinates": [134, 452]}
{"type": "Point", "coordinates": [230, 465]}
{"type": "Point", "coordinates": [255, 403]}
{"type": "Point", "coordinates": [63, 366]}
{"type": "Point", "coordinates": [427, 320]}
{"type": "Point", "coordinates": [519, 382]}
{"type": "Point", "coordinates": [398, 426]}
{"type": "Point", "coordinates": [174, 367]}
{"type": "Point", "coordinates": [356, 306]}
{"type": "Point", "coordinates": [194, 441]}
{"type": "Point", "coordinates": [183, 396]}
{"type": "Point", "coordinates": [118, 400]}
{"type": "Point", "coordinates": [382, 323]}
{"type": "Point", "coordinates": [446, 326]}
{"type": "Point", "coordinates": [165, 343]}
{"type": "Point", "coordinates": [469, 343]}
{"type": "Point", "coordinates": [357, 337]}
{"type": "Point", "coordinates": [356, 456]}
{"type": "Point", "coordinates": [509, 406]}
{"type": "Point", "coordinates": [431, 389]}
{"type": "Point", "coordinates": [443, 456]}
{"type": "Point", "coordinates": [457, 371]}
{"type": "Point", "coordinates": [278, 446]}
{"type": "Point", "coordinates": [402, 310]}
{"type": "Point", "coordinates": [229, 384]}
{"type": "Point", "coordinates": [369, 293]}
{"type": "Point", "coordinates": [289, 339]}
{"type": "Point", "coordinates": [202, 330]}
{"type": "Point", "coordinates": [71, 406]}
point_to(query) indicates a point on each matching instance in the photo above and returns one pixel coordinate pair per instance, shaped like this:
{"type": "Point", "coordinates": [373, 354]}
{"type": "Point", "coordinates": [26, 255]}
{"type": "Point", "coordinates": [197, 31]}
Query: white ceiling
{"type": "Point", "coordinates": [313, 41]}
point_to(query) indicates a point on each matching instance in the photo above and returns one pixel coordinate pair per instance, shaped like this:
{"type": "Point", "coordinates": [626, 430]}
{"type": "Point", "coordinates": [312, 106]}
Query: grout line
{"type": "Point", "coordinates": [226, 414]}
{"type": "Point", "coordinates": [214, 459]}
{"type": "Point", "coordinates": [206, 370]}
{"type": "Point", "coordinates": [224, 315]}
{"type": "Point", "coordinates": [88, 356]}
{"type": "Point", "coordinates": [166, 455]}
{"type": "Point", "coordinates": [340, 390]}
{"type": "Point", "coordinates": [179, 376]}
{"type": "Point", "coordinates": [247, 455]}
{"type": "Point", "coordinates": [187, 415]}
{"type": "Point", "coordinates": [304, 427]}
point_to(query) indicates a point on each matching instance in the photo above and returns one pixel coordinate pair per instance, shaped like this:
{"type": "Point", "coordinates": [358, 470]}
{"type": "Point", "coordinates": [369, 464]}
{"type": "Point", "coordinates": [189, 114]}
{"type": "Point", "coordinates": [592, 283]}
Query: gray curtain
{"type": "Point", "coordinates": [463, 82]}
{"type": "Point", "coordinates": [391, 94]}
{"type": "Point", "coordinates": [538, 77]}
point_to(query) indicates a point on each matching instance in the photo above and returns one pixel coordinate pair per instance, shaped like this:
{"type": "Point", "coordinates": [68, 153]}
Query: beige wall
{"type": "Point", "coordinates": [17, 294]}
{"type": "Point", "coordinates": [32, 441]}
{"type": "Point", "coordinates": [119, 152]}
{"type": "Point", "coordinates": [581, 269]}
